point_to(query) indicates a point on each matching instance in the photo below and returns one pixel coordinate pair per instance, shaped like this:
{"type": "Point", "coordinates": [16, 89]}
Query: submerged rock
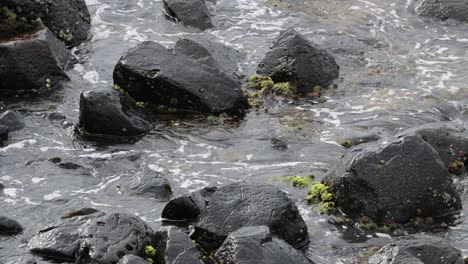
{"type": "Point", "coordinates": [255, 245]}
{"type": "Point", "coordinates": [150, 185]}
{"type": "Point", "coordinates": [9, 227]}
{"type": "Point", "coordinates": [32, 64]}
{"type": "Point", "coordinates": [214, 54]}
{"type": "Point", "coordinates": [109, 112]}
{"type": "Point", "coordinates": [425, 250]}
{"type": "Point", "coordinates": [440, 9]}
{"type": "Point", "coordinates": [226, 209]}
{"type": "Point", "coordinates": [69, 20]}
{"type": "Point", "coordinates": [192, 13]}
{"type": "Point", "coordinates": [11, 119]}
{"type": "Point", "coordinates": [296, 60]}
{"type": "Point", "coordinates": [180, 249]}
{"type": "Point", "coordinates": [154, 74]}
{"type": "Point", "coordinates": [395, 184]}
{"type": "Point", "coordinates": [108, 238]}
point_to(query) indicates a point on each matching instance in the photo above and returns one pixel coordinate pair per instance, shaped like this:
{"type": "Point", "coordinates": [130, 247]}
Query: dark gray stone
{"type": "Point", "coordinates": [395, 183]}
{"type": "Point", "coordinates": [442, 9]}
{"type": "Point", "coordinates": [255, 245]}
{"type": "Point", "coordinates": [192, 13]}
{"type": "Point", "coordinates": [421, 250]}
{"type": "Point", "coordinates": [109, 112]}
{"type": "Point", "coordinates": [180, 249]}
{"type": "Point", "coordinates": [152, 73]}
{"type": "Point", "coordinates": [9, 227]}
{"type": "Point", "coordinates": [187, 208]}
{"type": "Point", "coordinates": [151, 185]}
{"type": "Point", "coordinates": [13, 120]}
{"type": "Point", "coordinates": [214, 54]}
{"type": "Point", "coordinates": [68, 20]}
{"type": "Point", "coordinates": [109, 238]}
{"type": "Point", "coordinates": [132, 259]}
{"type": "Point", "coordinates": [3, 132]}
{"type": "Point", "coordinates": [294, 59]}
{"type": "Point", "coordinates": [32, 64]}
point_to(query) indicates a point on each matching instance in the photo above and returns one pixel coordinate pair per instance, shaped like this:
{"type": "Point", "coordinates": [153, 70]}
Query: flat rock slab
{"type": "Point", "coordinates": [132, 259]}
{"type": "Point", "coordinates": [255, 245]}
{"type": "Point", "coordinates": [32, 64]}
{"type": "Point", "coordinates": [154, 74]}
{"type": "Point", "coordinates": [193, 13]}
{"type": "Point", "coordinates": [396, 183]}
{"type": "Point", "coordinates": [109, 112]}
{"type": "Point", "coordinates": [425, 250]}
{"type": "Point", "coordinates": [440, 9]}
{"type": "Point", "coordinates": [294, 59]}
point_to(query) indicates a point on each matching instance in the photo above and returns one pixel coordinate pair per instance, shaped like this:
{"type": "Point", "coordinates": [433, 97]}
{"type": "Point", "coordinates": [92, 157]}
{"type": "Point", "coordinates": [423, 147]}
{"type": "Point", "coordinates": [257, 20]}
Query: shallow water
{"type": "Point", "coordinates": [397, 71]}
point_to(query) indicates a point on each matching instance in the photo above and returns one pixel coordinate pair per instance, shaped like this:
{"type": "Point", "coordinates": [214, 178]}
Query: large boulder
{"type": "Point", "coordinates": [180, 249]}
{"type": "Point", "coordinates": [425, 250]}
{"type": "Point", "coordinates": [9, 227]}
{"type": "Point", "coordinates": [69, 20]}
{"type": "Point", "coordinates": [110, 112]}
{"type": "Point", "coordinates": [108, 238]}
{"type": "Point", "coordinates": [192, 13]}
{"type": "Point", "coordinates": [214, 54]}
{"type": "Point", "coordinates": [255, 245]}
{"type": "Point", "coordinates": [237, 205]}
{"type": "Point", "coordinates": [32, 64]}
{"type": "Point", "coordinates": [296, 60]}
{"type": "Point", "coordinates": [152, 73]}
{"type": "Point", "coordinates": [396, 183]}
{"type": "Point", "coordinates": [60, 241]}
{"type": "Point", "coordinates": [440, 9]}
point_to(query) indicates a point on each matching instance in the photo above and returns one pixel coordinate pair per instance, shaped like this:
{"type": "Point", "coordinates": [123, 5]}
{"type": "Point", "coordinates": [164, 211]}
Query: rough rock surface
{"type": "Point", "coordinates": [68, 20]}
{"type": "Point", "coordinates": [9, 227]}
{"type": "Point", "coordinates": [294, 59]}
{"type": "Point", "coordinates": [3, 132]}
{"type": "Point", "coordinates": [11, 119]}
{"type": "Point", "coordinates": [152, 73]}
{"type": "Point", "coordinates": [426, 250]}
{"type": "Point", "coordinates": [454, 9]}
{"type": "Point", "coordinates": [255, 245]}
{"type": "Point", "coordinates": [180, 249]}
{"type": "Point", "coordinates": [109, 112]}
{"type": "Point", "coordinates": [192, 13]}
{"type": "Point", "coordinates": [108, 238]}
{"type": "Point", "coordinates": [151, 185]}
{"type": "Point", "coordinates": [59, 242]}
{"type": "Point", "coordinates": [214, 54]}
{"type": "Point", "coordinates": [132, 259]}
{"type": "Point", "coordinates": [34, 63]}
{"type": "Point", "coordinates": [224, 210]}
{"type": "Point", "coordinates": [401, 181]}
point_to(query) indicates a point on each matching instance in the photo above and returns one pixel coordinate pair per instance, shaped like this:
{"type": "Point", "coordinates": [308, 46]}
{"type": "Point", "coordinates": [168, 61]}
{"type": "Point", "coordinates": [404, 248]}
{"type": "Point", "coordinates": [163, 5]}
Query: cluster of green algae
{"type": "Point", "coordinates": [150, 254]}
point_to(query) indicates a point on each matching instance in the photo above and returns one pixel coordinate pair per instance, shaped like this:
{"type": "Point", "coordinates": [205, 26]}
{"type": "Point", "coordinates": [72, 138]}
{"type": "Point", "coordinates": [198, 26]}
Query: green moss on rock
{"type": "Point", "coordinates": [320, 193]}
{"type": "Point", "coordinates": [300, 181]}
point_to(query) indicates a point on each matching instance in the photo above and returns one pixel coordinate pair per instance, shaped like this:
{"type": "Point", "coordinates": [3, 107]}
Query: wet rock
{"type": "Point", "coordinates": [109, 112]}
{"type": "Point", "coordinates": [13, 120]}
{"type": "Point", "coordinates": [56, 116]}
{"type": "Point", "coordinates": [180, 249]}
{"type": "Point", "coordinates": [149, 185]}
{"type": "Point", "coordinates": [132, 259]}
{"type": "Point", "coordinates": [154, 74]}
{"type": "Point", "coordinates": [425, 250]}
{"type": "Point", "coordinates": [3, 132]}
{"type": "Point", "coordinates": [192, 13]}
{"type": "Point", "coordinates": [68, 20]}
{"type": "Point", "coordinates": [108, 238]}
{"type": "Point", "coordinates": [395, 184]}
{"type": "Point", "coordinates": [187, 208]}
{"type": "Point", "coordinates": [278, 144]}
{"type": "Point", "coordinates": [294, 59]}
{"type": "Point", "coordinates": [60, 242]}
{"type": "Point", "coordinates": [9, 227]}
{"type": "Point", "coordinates": [80, 212]}
{"type": "Point", "coordinates": [32, 64]}
{"type": "Point", "coordinates": [454, 9]}
{"type": "Point", "coordinates": [214, 54]}
{"type": "Point", "coordinates": [69, 166]}
{"type": "Point", "coordinates": [255, 245]}
{"type": "Point", "coordinates": [449, 141]}
{"type": "Point", "coordinates": [231, 207]}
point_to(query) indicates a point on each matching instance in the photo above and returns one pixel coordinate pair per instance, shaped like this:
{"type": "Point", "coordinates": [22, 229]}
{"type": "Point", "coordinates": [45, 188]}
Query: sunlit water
{"type": "Point", "coordinates": [397, 71]}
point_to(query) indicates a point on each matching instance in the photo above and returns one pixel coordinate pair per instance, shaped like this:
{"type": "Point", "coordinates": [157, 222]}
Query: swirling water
{"type": "Point", "coordinates": [397, 71]}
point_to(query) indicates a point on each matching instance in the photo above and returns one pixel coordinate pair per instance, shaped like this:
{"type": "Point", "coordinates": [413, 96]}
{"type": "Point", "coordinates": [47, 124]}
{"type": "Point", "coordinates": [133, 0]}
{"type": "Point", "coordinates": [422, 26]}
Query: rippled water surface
{"type": "Point", "coordinates": [397, 71]}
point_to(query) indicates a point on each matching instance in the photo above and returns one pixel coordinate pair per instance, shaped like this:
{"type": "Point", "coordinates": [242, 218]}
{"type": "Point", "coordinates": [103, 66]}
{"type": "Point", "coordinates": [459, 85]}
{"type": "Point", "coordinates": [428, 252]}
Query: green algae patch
{"type": "Point", "coordinates": [260, 82]}
{"type": "Point", "coordinates": [150, 254]}
{"type": "Point", "coordinates": [457, 167]}
{"type": "Point", "coordinates": [118, 88]}
{"type": "Point", "coordinates": [346, 143]}
{"type": "Point", "coordinates": [300, 181]}
{"type": "Point", "coordinates": [265, 86]}
{"type": "Point", "coordinates": [320, 193]}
